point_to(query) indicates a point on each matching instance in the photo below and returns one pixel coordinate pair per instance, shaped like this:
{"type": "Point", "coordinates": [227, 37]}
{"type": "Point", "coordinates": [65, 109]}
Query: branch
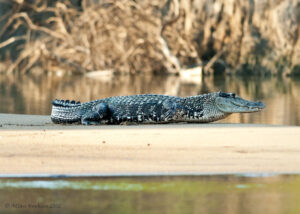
{"type": "Point", "coordinates": [12, 40]}
{"type": "Point", "coordinates": [32, 26]}
{"type": "Point", "coordinates": [210, 63]}
{"type": "Point", "coordinates": [175, 66]}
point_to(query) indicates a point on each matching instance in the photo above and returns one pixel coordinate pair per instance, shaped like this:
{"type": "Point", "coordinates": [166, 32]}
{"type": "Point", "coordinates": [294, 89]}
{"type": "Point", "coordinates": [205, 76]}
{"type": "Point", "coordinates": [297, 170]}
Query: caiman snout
{"type": "Point", "coordinates": [258, 104]}
{"type": "Point", "coordinates": [245, 105]}
{"type": "Point", "coordinates": [232, 104]}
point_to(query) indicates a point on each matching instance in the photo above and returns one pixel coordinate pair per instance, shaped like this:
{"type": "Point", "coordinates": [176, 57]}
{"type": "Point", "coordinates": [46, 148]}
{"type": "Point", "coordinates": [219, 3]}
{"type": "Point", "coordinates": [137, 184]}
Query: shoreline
{"type": "Point", "coordinates": [32, 145]}
{"type": "Point", "coordinates": [152, 175]}
{"type": "Point", "coordinates": [41, 122]}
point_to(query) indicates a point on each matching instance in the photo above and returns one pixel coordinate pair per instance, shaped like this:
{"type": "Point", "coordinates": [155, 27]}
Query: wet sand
{"type": "Point", "coordinates": [32, 145]}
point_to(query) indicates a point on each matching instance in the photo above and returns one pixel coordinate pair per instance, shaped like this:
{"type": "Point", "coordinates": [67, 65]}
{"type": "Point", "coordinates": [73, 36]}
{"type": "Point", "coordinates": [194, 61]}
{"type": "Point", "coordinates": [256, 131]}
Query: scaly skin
{"type": "Point", "coordinates": [151, 108]}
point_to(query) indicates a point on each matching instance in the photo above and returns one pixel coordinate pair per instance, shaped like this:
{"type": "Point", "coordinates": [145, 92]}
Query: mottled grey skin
{"type": "Point", "coordinates": [151, 108]}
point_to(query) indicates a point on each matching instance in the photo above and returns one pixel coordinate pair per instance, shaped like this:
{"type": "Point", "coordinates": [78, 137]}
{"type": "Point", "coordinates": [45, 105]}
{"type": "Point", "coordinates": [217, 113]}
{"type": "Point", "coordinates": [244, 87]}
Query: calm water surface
{"type": "Point", "coordinates": [33, 94]}
{"type": "Point", "coordinates": [200, 194]}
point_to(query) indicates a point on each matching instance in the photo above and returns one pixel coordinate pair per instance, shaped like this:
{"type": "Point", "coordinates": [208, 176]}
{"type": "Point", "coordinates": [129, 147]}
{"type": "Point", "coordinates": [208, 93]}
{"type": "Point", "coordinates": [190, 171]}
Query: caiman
{"type": "Point", "coordinates": [152, 108]}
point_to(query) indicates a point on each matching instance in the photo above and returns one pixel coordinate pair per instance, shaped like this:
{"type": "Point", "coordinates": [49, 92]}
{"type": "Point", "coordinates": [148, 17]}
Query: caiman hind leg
{"type": "Point", "coordinates": [94, 116]}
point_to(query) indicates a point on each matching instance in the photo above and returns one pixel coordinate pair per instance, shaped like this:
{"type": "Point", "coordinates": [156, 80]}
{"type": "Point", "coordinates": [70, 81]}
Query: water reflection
{"type": "Point", "coordinates": [198, 194]}
{"type": "Point", "coordinates": [33, 94]}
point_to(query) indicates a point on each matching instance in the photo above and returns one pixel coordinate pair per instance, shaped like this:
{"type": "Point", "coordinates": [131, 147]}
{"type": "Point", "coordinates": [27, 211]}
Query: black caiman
{"type": "Point", "coordinates": [152, 108]}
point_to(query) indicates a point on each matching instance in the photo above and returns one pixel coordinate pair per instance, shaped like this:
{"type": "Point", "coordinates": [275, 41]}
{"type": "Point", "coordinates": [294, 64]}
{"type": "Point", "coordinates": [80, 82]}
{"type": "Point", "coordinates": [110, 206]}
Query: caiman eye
{"type": "Point", "coordinates": [222, 94]}
{"type": "Point", "coordinates": [227, 95]}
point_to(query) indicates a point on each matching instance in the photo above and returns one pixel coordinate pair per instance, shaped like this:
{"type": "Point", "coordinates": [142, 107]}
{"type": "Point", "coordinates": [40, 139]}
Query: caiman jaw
{"type": "Point", "coordinates": [252, 106]}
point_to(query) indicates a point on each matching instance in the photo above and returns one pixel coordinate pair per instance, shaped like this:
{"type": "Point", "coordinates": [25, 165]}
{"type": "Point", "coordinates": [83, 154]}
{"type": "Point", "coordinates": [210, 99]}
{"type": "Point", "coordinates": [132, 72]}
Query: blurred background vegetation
{"type": "Point", "coordinates": [158, 36]}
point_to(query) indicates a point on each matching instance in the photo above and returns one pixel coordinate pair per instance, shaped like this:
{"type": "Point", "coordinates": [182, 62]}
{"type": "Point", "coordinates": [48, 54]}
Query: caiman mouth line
{"type": "Point", "coordinates": [252, 106]}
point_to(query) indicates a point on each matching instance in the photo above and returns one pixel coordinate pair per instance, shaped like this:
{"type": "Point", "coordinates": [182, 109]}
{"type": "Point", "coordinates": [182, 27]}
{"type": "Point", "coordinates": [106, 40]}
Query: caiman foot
{"type": "Point", "coordinates": [170, 111]}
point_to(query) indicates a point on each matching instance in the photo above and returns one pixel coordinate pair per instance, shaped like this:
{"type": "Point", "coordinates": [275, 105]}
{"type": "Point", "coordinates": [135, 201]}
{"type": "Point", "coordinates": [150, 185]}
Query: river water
{"type": "Point", "coordinates": [224, 194]}
{"type": "Point", "coordinates": [25, 94]}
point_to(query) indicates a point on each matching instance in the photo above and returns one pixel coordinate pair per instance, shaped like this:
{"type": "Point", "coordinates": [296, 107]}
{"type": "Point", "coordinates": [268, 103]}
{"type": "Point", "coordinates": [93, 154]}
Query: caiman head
{"type": "Point", "coordinates": [218, 105]}
{"type": "Point", "coordinates": [230, 103]}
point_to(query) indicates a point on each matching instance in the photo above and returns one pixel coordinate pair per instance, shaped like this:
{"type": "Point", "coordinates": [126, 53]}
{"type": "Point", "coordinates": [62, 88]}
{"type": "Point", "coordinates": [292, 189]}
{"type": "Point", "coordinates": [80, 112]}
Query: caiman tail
{"type": "Point", "coordinates": [64, 111]}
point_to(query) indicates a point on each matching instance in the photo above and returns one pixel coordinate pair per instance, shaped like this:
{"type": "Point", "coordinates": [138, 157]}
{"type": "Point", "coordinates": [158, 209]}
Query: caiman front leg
{"type": "Point", "coordinates": [94, 116]}
{"type": "Point", "coordinates": [171, 111]}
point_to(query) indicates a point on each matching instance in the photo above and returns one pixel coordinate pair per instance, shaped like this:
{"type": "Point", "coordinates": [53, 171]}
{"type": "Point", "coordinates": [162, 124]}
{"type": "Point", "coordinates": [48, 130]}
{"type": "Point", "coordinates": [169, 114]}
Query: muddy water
{"type": "Point", "coordinates": [198, 194]}
{"type": "Point", "coordinates": [33, 94]}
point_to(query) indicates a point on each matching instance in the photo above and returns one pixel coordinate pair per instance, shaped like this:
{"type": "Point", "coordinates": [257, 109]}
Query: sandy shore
{"type": "Point", "coordinates": [33, 145]}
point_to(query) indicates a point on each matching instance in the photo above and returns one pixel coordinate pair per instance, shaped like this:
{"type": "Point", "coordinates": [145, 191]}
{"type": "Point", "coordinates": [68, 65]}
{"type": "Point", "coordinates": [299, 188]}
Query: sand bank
{"type": "Point", "coordinates": [33, 145]}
